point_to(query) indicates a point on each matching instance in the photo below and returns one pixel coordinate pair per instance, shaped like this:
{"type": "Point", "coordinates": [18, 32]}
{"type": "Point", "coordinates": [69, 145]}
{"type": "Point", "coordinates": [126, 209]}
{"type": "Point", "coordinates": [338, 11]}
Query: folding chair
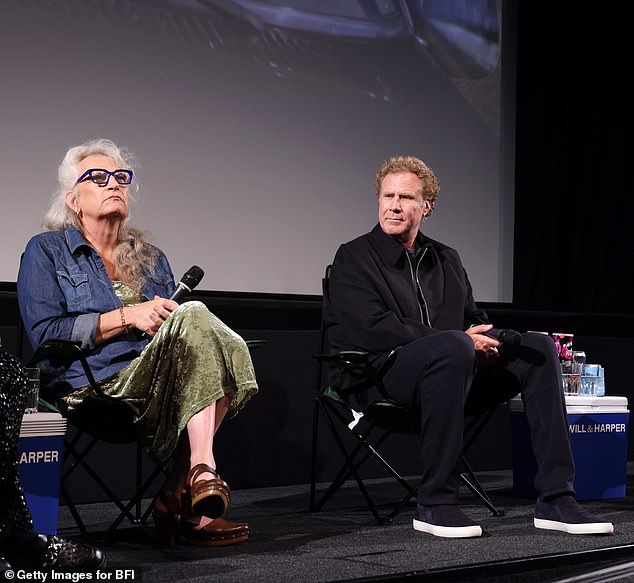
{"type": "Point", "coordinates": [99, 418]}
{"type": "Point", "coordinates": [383, 415]}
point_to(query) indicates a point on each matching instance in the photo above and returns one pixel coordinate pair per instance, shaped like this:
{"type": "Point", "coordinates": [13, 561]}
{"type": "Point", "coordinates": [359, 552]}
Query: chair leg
{"type": "Point", "coordinates": [132, 510]}
{"type": "Point", "coordinates": [162, 468]}
{"type": "Point", "coordinates": [471, 481]}
{"type": "Point", "coordinates": [337, 482]}
{"type": "Point", "coordinates": [135, 501]}
{"type": "Point", "coordinates": [70, 452]}
{"type": "Point", "coordinates": [351, 467]}
{"type": "Point", "coordinates": [98, 480]}
{"type": "Point", "coordinates": [401, 505]}
{"type": "Point", "coordinates": [352, 464]}
{"type": "Point", "coordinates": [313, 455]}
{"type": "Point", "coordinates": [345, 473]}
{"type": "Point", "coordinates": [139, 477]}
{"type": "Point", "coordinates": [74, 513]}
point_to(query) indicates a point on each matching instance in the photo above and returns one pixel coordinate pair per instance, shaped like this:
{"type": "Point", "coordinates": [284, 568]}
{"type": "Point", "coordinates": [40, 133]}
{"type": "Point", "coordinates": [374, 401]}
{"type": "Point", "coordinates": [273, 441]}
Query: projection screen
{"type": "Point", "coordinates": [259, 125]}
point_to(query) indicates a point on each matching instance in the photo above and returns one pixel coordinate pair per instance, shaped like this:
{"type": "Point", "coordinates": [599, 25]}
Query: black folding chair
{"type": "Point", "coordinates": [98, 418]}
{"type": "Point", "coordinates": [383, 416]}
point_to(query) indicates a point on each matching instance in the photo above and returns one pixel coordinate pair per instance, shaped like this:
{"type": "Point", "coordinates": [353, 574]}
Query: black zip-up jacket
{"type": "Point", "coordinates": [373, 303]}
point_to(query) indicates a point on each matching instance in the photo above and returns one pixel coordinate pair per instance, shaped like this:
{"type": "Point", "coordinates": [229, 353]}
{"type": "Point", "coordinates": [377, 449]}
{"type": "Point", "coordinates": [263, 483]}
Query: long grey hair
{"type": "Point", "coordinates": [134, 257]}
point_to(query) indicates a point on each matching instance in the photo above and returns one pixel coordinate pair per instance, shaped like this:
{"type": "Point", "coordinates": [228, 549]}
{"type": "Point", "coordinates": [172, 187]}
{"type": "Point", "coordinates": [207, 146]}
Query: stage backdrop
{"type": "Point", "coordinates": [259, 125]}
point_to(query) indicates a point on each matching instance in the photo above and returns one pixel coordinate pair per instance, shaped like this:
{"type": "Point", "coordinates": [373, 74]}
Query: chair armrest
{"type": "Point", "coordinates": [58, 352]}
{"type": "Point", "coordinates": [357, 364]}
{"type": "Point", "coordinates": [255, 344]}
{"type": "Point", "coordinates": [45, 405]}
{"type": "Point", "coordinates": [345, 357]}
{"type": "Point", "coordinates": [61, 354]}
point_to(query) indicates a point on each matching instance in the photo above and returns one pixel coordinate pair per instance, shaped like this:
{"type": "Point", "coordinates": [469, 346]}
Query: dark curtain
{"type": "Point", "coordinates": [574, 196]}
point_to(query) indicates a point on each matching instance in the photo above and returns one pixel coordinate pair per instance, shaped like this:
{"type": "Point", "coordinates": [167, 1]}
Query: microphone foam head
{"type": "Point", "coordinates": [193, 276]}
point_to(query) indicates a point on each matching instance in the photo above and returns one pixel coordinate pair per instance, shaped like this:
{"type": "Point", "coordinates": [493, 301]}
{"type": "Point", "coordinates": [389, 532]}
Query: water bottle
{"type": "Point", "coordinates": [600, 390]}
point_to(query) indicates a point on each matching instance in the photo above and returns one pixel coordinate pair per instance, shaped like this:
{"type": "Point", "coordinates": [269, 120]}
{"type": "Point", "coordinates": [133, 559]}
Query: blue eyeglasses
{"type": "Point", "coordinates": [101, 176]}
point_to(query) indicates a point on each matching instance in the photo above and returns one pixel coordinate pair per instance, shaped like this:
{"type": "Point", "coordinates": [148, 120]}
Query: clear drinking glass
{"type": "Point", "coordinates": [33, 389]}
{"type": "Point", "coordinates": [578, 362]}
{"type": "Point", "coordinates": [571, 384]}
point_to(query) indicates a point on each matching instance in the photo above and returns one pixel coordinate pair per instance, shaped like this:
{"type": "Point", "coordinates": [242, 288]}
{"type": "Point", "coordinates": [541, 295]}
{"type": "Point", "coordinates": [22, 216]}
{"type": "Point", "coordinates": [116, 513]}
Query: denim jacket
{"type": "Point", "coordinates": [63, 287]}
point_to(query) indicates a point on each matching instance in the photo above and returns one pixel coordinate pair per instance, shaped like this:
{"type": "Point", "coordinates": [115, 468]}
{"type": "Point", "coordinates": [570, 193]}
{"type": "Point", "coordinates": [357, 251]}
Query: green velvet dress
{"type": "Point", "coordinates": [193, 360]}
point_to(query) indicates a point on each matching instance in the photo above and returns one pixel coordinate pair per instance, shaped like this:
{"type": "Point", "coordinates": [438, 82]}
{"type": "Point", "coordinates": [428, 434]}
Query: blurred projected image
{"type": "Point", "coordinates": [461, 35]}
{"type": "Point", "coordinates": [325, 38]}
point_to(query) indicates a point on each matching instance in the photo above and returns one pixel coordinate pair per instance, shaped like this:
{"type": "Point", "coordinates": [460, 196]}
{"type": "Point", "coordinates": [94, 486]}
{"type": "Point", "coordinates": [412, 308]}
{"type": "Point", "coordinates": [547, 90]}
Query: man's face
{"type": "Point", "coordinates": [401, 206]}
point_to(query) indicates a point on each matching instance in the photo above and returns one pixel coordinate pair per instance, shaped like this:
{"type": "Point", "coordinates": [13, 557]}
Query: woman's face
{"type": "Point", "coordinates": [94, 202]}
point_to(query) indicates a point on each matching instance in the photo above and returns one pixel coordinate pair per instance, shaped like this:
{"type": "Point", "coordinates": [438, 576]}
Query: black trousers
{"type": "Point", "coordinates": [439, 379]}
{"type": "Point", "coordinates": [15, 518]}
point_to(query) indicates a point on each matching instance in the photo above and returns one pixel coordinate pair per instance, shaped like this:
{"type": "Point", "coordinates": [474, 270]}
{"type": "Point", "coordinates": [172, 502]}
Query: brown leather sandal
{"type": "Point", "coordinates": [210, 498]}
{"type": "Point", "coordinates": [218, 532]}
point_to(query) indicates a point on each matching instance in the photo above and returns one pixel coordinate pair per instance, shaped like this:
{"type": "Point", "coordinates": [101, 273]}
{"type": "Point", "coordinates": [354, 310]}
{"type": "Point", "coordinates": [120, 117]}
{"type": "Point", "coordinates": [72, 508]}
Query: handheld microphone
{"type": "Point", "coordinates": [505, 336]}
{"type": "Point", "coordinates": [187, 283]}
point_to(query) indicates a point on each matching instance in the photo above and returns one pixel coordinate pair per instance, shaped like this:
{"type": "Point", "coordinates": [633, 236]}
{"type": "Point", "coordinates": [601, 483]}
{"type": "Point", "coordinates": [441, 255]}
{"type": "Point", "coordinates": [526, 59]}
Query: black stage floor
{"type": "Point", "coordinates": [343, 543]}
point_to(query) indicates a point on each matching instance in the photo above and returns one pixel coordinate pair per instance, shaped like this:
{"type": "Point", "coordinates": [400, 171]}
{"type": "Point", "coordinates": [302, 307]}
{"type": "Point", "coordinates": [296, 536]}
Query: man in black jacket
{"type": "Point", "coordinates": [406, 299]}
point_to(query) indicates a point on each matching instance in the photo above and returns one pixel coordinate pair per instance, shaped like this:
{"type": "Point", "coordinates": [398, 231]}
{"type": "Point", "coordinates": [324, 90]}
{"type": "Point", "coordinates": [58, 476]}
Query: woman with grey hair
{"type": "Point", "coordinates": [93, 279]}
